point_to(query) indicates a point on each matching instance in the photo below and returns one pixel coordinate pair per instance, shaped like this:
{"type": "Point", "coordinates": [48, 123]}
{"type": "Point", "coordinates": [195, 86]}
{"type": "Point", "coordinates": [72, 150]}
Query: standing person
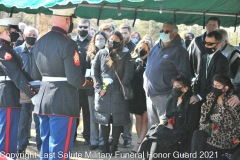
{"type": "Point", "coordinates": [166, 60]}
{"type": "Point", "coordinates": [138, 104]}
{"type": "Point", "coordinates": [25, 52]}
{"type": "Point", "coordinates": [57, 103]}
{"type": "Point", "coordinates": [125, 30]}
{"type": "Point", "coordinates": [83, 40]}
{"type": "Point", "coordinates": [135, 37]}
{"type": "Point", "coordinates": [107, 29]}
{"type": "Point", "coordinates": [98, 42]}
{"type": "Point", "coordinates": [20, 40]}
{"type": "Point", "coordinates": [110, 107]}
{"type": "Point", "coordinates": [212, 63]}
{"type": "Point", "coordinates": [196, 48]}
{"type": "Point", "coordinates": [12, 78]}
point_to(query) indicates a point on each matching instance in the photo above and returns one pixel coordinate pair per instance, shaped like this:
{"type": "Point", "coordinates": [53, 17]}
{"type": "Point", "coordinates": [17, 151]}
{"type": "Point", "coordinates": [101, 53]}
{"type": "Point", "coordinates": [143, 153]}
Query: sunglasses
{"type": "Point", "coordinates": [210, 43]}
{"type": "Point", "coordinates": [85, 27]}
{"type": "Point", "coordinates": [166, 32]}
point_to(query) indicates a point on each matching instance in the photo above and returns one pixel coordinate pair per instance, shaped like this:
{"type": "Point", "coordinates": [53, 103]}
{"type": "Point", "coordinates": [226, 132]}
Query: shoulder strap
{"type": "Point", "coordinates": [119, 81]}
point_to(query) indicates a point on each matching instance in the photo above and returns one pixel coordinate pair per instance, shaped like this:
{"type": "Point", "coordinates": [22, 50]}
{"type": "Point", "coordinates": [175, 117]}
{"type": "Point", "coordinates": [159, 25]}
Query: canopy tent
{"type": "Point", "coordinates": [187, 12]}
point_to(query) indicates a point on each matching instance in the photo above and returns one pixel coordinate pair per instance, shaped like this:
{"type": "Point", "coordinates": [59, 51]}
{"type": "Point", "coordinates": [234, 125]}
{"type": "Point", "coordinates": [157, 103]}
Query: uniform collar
{"type": "Point", "coordinates": [58, 29]}
{"type": "Point", "coordinates": [3, 42]}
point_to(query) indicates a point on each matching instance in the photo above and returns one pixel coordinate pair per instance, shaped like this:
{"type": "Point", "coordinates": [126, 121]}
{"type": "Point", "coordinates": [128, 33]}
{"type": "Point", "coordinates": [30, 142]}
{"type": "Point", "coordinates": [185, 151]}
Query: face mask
{"type": "Point", "coordinates": [142, 53]}
{"type": "Point", "coordinates": [134, 40]}
{"type": "Point", "coordinates": [70, 28]}
{"type": "Point", "coordinates": [83, 33]}
{"type": "Point", "coordinates": [177, 92]}
{"type": "Point", "coordinates": [165, 37]}
{"type": "Point", "coordinates": [217, 92]}
{"type": "Point", "coordinates": [100, 44]}
{"type": "Point", "coordinates": [30, 40]}
{"type": "Point", "coordinates": [14, 36]}
{"type": "Point", "coordinates": [210, 50]}
{"type": "Point", "coordinates": [113, 44]}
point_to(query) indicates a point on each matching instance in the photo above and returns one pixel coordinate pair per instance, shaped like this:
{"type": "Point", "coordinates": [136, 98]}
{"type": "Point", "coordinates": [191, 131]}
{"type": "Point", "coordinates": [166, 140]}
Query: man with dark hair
{"type": "Point", "coordinates": [196, 48]}
{"type": "Point", "coordinates": [83, 39]}
{"type": "Point", "coordinates": [212, 62]}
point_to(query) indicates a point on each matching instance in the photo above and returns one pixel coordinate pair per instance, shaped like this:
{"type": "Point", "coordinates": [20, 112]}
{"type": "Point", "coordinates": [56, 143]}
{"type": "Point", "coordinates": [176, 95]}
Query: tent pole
{"type": "Point", "coordinates": [135, 17]}
{"type": "Point", "coordinates": [99, 15]}
{"type": "Point", "coordinates": [204, 17]}
{"type": "Point", "coordinates": [236, 22]}
{"type": "Point", "coordinates": [11, 12]}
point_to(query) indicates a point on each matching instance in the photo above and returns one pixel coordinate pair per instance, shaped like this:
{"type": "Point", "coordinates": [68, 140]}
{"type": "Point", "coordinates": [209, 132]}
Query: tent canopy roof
{"type": "Point", "coordinates": [187, 12]}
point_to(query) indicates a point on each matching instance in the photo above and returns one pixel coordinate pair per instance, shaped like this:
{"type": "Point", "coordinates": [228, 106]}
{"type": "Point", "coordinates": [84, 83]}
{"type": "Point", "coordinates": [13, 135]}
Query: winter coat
{"type": "Point", "coordinates": [112, 103]}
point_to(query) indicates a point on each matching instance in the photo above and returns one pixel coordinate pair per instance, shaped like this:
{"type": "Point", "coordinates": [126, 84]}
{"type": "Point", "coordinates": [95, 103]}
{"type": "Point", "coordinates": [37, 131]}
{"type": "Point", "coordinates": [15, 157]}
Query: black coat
{"type": "Point", "coordinates": [112, 103]}
{"type": "Point", "coordinates": [218, 65]}
{"type": "Point", "coordinates": [56, 55]}
{"type": "Point", "coordinates": [11, 65]}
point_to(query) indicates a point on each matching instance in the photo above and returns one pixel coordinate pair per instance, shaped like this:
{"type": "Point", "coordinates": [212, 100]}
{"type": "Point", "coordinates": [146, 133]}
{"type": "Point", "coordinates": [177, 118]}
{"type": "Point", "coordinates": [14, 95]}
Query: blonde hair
{"type": "Point", "coordinates": [2, 28]}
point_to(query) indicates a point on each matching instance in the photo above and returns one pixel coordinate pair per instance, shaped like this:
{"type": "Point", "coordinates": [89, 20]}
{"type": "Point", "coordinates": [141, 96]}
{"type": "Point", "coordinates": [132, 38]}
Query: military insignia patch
{"type": "Point", "coordinates": [76, 59]}
{"type": "Point", "coordinates": [7, 56]}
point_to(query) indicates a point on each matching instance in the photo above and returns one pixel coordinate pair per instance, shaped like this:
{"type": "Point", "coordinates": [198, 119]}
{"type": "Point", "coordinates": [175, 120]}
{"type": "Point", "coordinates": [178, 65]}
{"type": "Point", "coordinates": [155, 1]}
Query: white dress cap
{"type": "Point", "coordinates": [63, 12]}
{"type": "Point", "coordinates": [9, 21]}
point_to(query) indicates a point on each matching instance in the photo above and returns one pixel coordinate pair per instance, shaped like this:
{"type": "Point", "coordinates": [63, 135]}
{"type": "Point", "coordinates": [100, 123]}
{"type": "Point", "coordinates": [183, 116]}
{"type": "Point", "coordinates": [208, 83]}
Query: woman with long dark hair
{"type": "Point", "coordinates": [219, 122]}
{"type": "Point", "coordinates": [110, 107]}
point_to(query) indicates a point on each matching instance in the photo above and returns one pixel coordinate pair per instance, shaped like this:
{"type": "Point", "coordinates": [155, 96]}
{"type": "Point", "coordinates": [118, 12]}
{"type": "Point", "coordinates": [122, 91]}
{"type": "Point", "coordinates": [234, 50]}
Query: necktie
{"type": "Point", "coordinates": [207, 64]}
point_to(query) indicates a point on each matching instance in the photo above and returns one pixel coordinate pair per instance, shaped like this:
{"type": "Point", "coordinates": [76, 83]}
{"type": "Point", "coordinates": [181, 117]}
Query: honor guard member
{"type": "Point", "coordinates": [57, 103]}
{"type": "Point", "coordinates": [12, 78]}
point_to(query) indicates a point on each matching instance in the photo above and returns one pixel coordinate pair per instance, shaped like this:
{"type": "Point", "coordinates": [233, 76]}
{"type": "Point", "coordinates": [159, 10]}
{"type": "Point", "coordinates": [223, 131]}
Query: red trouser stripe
{"type": "Point", "coordinates": [8, 129]}
{"type": "Point", "coordinates": [68, 136]}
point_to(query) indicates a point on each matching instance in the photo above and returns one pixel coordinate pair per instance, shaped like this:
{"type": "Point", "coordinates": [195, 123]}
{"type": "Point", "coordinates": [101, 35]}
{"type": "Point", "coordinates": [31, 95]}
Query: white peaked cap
{"type": "Point", "coordinates": [9, 21]}
{"type": "Point", "coordinates": [63, 12]}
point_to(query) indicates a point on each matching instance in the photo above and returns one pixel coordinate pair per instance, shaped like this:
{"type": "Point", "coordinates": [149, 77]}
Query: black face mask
{"type": "Point", "coordinates": [210, 50]}
{"type": "Point", "coordinates": [142, 53]}
{"type": "Point", "coordinates": [70, 28]}
{"type": "Point", "coordinates": [113, 44]}
{"type": "Point", "coordinates": [14, 36]}
{"type": "Point", "coordinates": [30, 40]}
{"type": "Point", "coordinates": [217, 92]}
{"type": "Point", "coordinates": [177, 92]}
{"type": "Point", "coordinates": [83, 33]}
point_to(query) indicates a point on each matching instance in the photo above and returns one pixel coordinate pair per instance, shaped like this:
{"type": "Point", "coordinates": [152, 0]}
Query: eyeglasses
{"type": "Point", "coordinates": [210, 43]}
{"type": "Point", "coordinates": [166, 32]}
{"type": "Point", "coordinates": [85, 27]}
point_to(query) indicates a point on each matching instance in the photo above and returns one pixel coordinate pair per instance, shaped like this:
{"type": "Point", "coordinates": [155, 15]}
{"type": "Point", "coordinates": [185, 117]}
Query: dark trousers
{"type": "Point", "coordinates": [116, 131]}
{"type": "Point", "coordinates": [83, 103]}
{"type": "Point", "coordinates": [200, 146]}
{"type": "Point", "coordinates": [24, 127]}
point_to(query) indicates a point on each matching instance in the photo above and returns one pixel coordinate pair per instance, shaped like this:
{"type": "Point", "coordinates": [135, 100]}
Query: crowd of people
{"type": "Point", "coordinates": [188, 86]}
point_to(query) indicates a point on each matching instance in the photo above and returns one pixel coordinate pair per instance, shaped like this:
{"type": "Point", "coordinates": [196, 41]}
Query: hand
{"type": "Point", "coordinates": [89, 80]}
{"type": "Point", "coordinates": [194, 99]}
{"type": "Point", "coordinates": [102, 92]}
{"type": "Point", "coordinates": [170, 126]}
{"type": "Point", "coordinates": [233, 101]}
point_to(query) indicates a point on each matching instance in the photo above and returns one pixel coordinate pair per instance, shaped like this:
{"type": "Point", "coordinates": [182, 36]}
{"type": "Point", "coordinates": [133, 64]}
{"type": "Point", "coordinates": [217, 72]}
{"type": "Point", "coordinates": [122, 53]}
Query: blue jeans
{"type": "Point", "coordinates": [25, 125]}
{"type": "Point", "coordinates": [96, 137]}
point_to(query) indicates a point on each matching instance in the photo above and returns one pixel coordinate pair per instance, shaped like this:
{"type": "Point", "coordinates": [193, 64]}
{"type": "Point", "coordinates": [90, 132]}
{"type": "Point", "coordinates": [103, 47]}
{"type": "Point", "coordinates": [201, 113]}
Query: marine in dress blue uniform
{"type": "Point", "coordinates": [57, 63]}
{"type": "Point", "coordinates": [12, 78]}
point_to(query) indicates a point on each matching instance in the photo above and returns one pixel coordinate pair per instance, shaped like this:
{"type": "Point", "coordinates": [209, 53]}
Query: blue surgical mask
{"type": "Point", "coordinates": [100, 44]}
{"type": "Point", "coordinates": [165, 37]}
{"type": "Point", "coordinates": [134, 40]}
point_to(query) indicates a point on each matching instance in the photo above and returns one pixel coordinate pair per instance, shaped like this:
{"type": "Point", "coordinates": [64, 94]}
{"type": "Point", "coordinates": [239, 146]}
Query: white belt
{"type": "Point", "coordinates": [52, 79]}
{"type": "Point", "coordinates": [4, 78]}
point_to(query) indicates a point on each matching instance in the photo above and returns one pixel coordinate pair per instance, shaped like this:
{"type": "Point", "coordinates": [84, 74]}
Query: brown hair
{"type": "Point", "coordinates": [123, 26]}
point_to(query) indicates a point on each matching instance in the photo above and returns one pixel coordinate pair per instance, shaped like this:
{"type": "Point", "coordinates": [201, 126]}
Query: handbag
{"type": "Point", "coordinates": [127, 90]}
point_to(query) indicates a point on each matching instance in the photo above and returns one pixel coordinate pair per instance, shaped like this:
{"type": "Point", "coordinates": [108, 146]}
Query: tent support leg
{"type": "Point", "coordinates": [99, 15]}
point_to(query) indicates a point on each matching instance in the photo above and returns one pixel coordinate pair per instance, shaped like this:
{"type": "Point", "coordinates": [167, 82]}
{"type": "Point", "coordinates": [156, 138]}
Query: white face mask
{"type": "Point", "coordinates": [100, 44]}
{"type": "Point", "coordinates": [165, 37]}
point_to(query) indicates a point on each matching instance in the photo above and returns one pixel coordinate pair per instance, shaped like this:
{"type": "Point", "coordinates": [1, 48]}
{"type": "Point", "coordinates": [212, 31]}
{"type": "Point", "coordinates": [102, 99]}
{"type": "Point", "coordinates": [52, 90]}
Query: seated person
{"type": "Point", "coordinates": [219, 123]}
{"type": "Point", "coordinates": [181, 119]}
